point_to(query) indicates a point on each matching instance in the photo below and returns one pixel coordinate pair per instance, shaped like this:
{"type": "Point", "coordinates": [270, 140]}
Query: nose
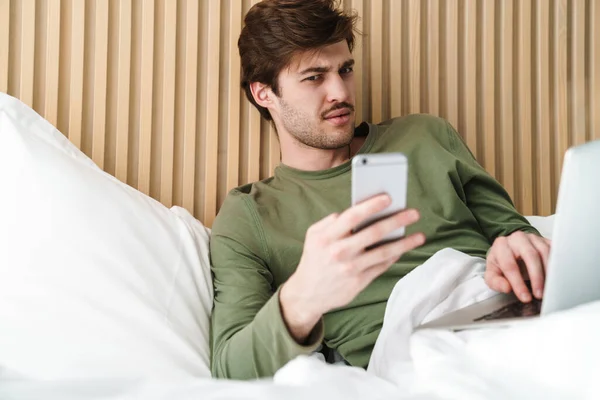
{"type": "Point", "coordinates": [339, 90]}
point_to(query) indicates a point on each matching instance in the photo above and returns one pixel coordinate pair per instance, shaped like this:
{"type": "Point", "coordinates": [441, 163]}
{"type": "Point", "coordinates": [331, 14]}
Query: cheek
{"type": "Point", "coordinates": [352, 90]}
{"type": "Point", "coordinates": [312, 106]}
{"type": "Point", "coordinates": [310, 103]}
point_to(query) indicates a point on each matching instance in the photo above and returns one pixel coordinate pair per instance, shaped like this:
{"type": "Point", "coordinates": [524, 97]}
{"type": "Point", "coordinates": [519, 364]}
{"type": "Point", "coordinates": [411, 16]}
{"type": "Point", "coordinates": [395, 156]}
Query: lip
{"type": "Point", "coordinates": [339, 118]}
{"type": "Point", "coordinates": [338, 113]}
{"type": "Point", "coordinates": [339, 121]}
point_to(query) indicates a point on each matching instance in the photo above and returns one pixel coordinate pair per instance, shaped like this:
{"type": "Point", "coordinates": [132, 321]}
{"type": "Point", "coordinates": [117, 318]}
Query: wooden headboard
{"type": "Point", "coordinates": [149, 89]}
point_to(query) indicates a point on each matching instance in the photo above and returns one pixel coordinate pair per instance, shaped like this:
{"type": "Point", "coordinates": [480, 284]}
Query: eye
{"type": "Point", "coordinates": [346, 70]}
{"type": "Point", "coordinates": [312, 78]}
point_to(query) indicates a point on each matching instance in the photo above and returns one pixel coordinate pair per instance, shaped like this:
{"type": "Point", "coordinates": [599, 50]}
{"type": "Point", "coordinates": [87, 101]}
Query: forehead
{"type": "Point", "coordinates": [332, 56]}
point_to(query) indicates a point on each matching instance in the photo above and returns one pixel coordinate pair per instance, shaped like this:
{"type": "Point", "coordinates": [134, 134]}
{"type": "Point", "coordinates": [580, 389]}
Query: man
{"type": "Point", "coordinates": [288, 273]}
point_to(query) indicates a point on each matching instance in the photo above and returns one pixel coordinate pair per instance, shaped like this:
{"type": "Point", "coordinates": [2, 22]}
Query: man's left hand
{"type": "Point", "coordinates": [515, 257]}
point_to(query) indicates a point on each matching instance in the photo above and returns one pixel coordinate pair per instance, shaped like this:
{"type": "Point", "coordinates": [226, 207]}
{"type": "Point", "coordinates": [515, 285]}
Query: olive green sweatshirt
{"type": "Point", "coordinates": [257, 240]}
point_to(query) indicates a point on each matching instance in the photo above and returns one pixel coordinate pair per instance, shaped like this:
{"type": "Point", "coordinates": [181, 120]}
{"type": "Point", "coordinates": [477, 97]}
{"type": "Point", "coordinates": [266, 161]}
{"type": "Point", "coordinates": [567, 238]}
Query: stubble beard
{"type": "Point", "coordinates": [304, 129]}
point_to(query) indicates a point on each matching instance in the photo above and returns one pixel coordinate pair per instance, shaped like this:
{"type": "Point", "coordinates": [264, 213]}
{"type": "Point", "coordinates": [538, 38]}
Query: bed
{"type": "Point", "coordinates": [106, 293]}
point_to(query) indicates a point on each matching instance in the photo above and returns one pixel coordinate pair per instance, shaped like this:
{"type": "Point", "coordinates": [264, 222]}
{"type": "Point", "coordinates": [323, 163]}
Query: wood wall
{"type": "Point", "coordinates": [149, 89]}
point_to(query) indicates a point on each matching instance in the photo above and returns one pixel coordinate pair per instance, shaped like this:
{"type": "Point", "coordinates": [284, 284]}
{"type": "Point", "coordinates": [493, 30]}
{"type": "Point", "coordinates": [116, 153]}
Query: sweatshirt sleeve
{"type": "Point", "coordinates": [249, 338]}
{"type": "Point", "coordinates": [486, 198]}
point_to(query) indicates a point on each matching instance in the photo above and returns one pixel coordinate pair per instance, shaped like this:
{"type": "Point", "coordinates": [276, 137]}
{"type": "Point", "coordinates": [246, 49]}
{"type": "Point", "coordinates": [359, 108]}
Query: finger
{"type": "Point", "coordinates": [494, 279]}
{"type": "Point", "coordinates": [507, 264]}
{"type": "Point", "coordinates": [393, 250]}
{"type": "Point", "coordinates": [493, 275]}
{"type": "Point", "coordinates": [522, 247]}
{"type": "Point", "coordinates": [354, 215]}
{"type": "Point", "coordinates": [543, 248]}
{"type": "Point", "coordinates": [370, 274]}
{"type": "Point", "coordinates": [357, 242]}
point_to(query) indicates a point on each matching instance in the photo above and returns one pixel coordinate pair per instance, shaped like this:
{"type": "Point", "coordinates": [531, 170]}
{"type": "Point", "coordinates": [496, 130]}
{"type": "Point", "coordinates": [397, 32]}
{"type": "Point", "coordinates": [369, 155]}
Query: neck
{"type": "Point", "coordinates": [299, 156]}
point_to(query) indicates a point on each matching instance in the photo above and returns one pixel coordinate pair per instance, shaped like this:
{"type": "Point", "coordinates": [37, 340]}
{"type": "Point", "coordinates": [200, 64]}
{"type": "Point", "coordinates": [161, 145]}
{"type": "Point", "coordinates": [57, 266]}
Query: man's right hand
{"type": "Point", "coordinates": [335, 265]}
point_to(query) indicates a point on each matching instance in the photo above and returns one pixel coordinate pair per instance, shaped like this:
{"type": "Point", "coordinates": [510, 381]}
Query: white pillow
{"type": "Point", "coordinates": [544, 225]}
{"type": "Point", "coordinates": [97, 280]}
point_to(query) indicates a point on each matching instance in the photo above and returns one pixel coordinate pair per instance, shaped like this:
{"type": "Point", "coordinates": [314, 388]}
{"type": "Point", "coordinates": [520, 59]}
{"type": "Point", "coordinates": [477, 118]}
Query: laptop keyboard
{"type": "Point", "coordinates": [516, 309]}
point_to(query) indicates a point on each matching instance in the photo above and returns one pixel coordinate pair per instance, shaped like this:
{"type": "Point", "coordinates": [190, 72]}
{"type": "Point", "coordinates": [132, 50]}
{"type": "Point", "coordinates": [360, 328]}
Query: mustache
{"type": "Point", "coordinates": [337, 107]}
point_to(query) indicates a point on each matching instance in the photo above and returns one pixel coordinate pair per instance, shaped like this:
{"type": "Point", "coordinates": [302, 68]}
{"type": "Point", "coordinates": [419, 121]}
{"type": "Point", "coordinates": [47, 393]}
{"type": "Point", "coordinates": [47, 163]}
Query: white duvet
{"type": "Point", "coordinates": [554, 357]}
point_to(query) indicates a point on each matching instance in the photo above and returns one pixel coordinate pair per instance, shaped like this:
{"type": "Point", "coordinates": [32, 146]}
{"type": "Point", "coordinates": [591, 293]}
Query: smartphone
{"type": "Point", "coordinates": [380, 173]}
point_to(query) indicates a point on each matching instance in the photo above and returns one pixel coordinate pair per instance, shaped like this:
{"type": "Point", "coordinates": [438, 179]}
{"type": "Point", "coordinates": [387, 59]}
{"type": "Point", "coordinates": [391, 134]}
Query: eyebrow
{"type": "Point", "coordinates": [321, 70]}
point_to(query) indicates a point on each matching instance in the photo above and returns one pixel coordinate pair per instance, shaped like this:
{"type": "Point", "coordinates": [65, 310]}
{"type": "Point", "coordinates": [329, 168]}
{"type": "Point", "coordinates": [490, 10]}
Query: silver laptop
{"type": "Point", "coordinates": [573, 272]}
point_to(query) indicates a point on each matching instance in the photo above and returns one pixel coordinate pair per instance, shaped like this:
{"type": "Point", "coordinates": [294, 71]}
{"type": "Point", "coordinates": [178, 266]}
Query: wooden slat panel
{"type": "Point", "coordinates": [4, 43]}
{"type": "Point", "coordinates": [519, 79]}
{"type": "Point", "coordinates": [560, 110]}
{"type": "Point", "coordinates": [27, 51]}
{"type": "Point", "coordinates": [488, 74]}
{"type": "Point", "coordinates": [234, 97]}
{"type": "Point", "coordinates": [376, 60]}
{"type": "Point", "coordinates": [451, 62]}
{"type": "Point", "coordinates": [211, 126]}
{"type": "Point", "coordinates": [414, 56]}
{"type": "Point", "coordinates": [123, 87]}
{"type": "Point", "coordinates": [250, 168]}
{"type": "Point", "coordinates": [395, 51]}
{"type": "Point", "coordinates": [253, 149]}
{"type": "Point", "coordinates": [507, 96]}
{"type": "Point", "coordinates": [543, 115]}
{"type": "Point", "coordinates": [190, 104]}
{"type": "Point", "coordinates": [594, 70]}
{"type": "Point", "coordinates": [433, 57]}
{"type": "Point", "coordinates": [525, 125]}
{"type": "Point", "coordinates": [39, 56]}
{"type": "Point", "coordinates": [14, 47]}
{"type": "Point", "coordinates": [146, 95]}
{"type": "Point", "coordinates": [578, 80]}
{"type": "Point", "coordinates": [76, 72]}
{"type": "Point", "coordinates": [100, 82]}
{"type": "Point", "coordinates": [468, 102]}
{"type": "Point", "coordinates": [385, 62]}
{"type": "Point", "coordinates": [168, 103]}
{"type": "Point", "coordinates": [52, 61]}
{"type": "Point", "coordinates": [359, 63]}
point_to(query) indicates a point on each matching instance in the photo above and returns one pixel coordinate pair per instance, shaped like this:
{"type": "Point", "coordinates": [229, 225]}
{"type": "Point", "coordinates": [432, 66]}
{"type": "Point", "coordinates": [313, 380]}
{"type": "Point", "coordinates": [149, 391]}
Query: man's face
{"type": "Point", "coordinates": [316, 98]}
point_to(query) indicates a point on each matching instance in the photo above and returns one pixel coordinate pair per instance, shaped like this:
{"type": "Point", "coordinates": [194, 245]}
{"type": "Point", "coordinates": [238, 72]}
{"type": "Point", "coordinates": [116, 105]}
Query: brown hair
{"type": "Point", "coordinates": [275, 30]}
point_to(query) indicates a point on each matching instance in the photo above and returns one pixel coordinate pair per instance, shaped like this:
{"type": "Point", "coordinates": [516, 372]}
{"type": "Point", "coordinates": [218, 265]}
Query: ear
{"type": "Point", "coordinates": [263, 95]}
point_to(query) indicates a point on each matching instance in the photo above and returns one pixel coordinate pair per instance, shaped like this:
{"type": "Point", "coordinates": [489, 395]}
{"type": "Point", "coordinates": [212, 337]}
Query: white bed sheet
{"type": "Point", "coordinates": [551, 358]}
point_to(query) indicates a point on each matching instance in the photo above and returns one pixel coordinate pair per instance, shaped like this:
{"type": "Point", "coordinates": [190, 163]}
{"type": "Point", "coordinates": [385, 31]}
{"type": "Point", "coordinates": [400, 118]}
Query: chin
{"type": "Point", "coordinates": [343, 137]}
{"type": "Point", "coordinates": [347, 131]}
